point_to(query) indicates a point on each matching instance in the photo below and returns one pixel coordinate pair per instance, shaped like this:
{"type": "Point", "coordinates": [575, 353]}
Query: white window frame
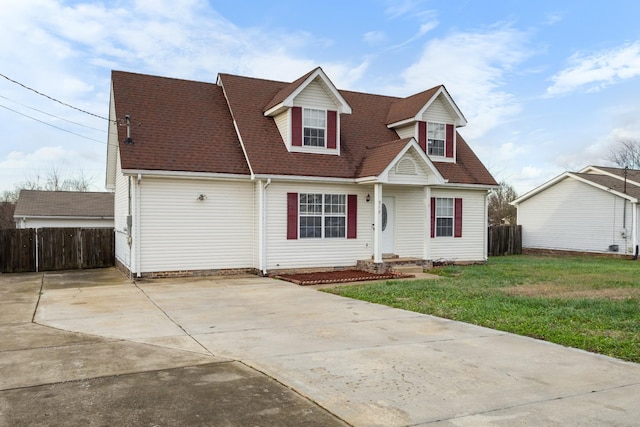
{"type": "Point", "coordinates": [433, 136]}
{"type": "Point", "coordinates": [312, 121]}
{"type": "Point", "coordinates": [329, 212]}
{"type": "Point", "coordinates": [444, 216]}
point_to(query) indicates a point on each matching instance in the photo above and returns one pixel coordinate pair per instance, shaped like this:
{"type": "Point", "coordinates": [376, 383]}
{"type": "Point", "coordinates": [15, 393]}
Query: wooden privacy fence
{"type": "Point", "coordinates": [50, 249]}
{"type": "Point", "coordinates": [505, 240]}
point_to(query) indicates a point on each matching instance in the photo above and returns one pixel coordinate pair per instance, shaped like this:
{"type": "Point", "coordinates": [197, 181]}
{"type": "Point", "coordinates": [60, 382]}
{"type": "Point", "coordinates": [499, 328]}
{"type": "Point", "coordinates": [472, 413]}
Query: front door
{"type": "Point", "coordinates": [388, 204]}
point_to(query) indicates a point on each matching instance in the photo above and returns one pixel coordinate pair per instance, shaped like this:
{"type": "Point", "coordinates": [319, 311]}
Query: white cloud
{"type": "Point", "coordinates": [374, 37]}
{"type": "Point", "coordinates": [473, 66]}
{"type": "Point", "coordinates": [20, 166]}
{"type": "Point", "coordinates": [596, 71]}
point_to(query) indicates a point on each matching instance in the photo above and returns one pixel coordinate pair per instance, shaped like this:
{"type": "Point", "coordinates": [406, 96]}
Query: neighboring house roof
{"type": "Point", "coordinates": [69, 204]}
{"type": "Point", "coordinates": [188, 126]}
{"type": "Point", "coordinates": [607, 179]}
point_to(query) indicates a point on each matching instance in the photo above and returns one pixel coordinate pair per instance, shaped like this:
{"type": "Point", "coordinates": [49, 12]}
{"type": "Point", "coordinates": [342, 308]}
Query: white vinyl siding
{"type": "Point", "coordinates": [408, 131]}
{"type": "Point", "coordinates": [180, 232]}
{"type": "Point", "coordinates": [315, 96]}
{"type": "Point", "coordinates": [471, 246]}
{"type": "Point", "coordinates": [64, 223]}
{"type": "Point", "coordinates": [283, 121]}
{"type": "Point", "coordinates": [438, 111]}
{"type": "Point", "coordinates": [121, 210]}
{"type": "Point", "coordinates": [574, 216]}
{"type": "Point", "coordinates": [303, 253]}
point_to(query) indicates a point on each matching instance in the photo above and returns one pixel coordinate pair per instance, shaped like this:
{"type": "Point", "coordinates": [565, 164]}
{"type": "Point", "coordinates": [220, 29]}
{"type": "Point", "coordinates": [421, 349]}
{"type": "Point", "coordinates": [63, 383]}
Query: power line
{"type": "Point", "coordinates": [53, 99]}
{"type": "Point", "coordinates": [53, 115]}
{"type": "Point", "coordinates": [53, 126]}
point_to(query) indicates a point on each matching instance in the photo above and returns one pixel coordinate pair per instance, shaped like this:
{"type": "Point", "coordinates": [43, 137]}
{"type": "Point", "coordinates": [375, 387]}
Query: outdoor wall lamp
{"type": "Point", "coordinates": [368, 199]}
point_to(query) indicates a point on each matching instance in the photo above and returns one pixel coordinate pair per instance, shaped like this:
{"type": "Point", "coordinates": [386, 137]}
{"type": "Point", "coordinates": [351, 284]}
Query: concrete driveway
{"type": "Point", "coordinates": [367, 364]}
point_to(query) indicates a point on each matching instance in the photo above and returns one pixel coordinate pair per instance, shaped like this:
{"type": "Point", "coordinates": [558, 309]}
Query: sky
{"type": "Point", "coordinates": [546, 86]}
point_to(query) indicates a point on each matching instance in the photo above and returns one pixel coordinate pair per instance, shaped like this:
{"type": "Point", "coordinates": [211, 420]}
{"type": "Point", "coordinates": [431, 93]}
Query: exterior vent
{"type": "Point", "coordinates": [406, 167]}
{"type": "Point", "coordinates": [613, 248]}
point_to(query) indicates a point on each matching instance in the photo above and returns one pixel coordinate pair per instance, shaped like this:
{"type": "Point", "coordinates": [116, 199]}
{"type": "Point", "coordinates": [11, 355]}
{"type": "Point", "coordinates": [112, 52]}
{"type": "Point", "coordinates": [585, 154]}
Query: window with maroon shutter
{"type": "Point", "coordinates": [436, 136]}
{"type": "Point", "coordinates": [457, 223]}
{"type": "Point", "coordinates": [449, 141]}
{"type": "Point", "coordinates": [422, 135]}
{"type": "Point", "coordinates": [446, 217]}
{"type": "Point", "coordinates": [332, 124]}
{"type": "Point", "coordinates": [296, 126]}
{"type": "Point", "coordinates": [352, 216]}
{"type": "Point", "coordinates": [317, 215]}
{"type": "Point", "coordinates": [292, 216]}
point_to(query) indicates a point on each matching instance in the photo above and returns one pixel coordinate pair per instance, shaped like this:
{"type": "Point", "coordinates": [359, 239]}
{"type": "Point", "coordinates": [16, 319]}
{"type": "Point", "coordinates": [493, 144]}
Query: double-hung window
{"type": "Point", "coordinates": [436, 134]}
{"type": "Point", "coordinates": [322, 215]}
{"type": "Point", "coordinates": [314, 123]}
{"type": "Point", "coordinates": [444, 217]}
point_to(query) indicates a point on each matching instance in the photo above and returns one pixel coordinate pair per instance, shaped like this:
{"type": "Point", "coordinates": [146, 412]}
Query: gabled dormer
{"type": "Point", "coordinates": [431, 117]}
{"type": "Point", "coordinates": [307, 114]}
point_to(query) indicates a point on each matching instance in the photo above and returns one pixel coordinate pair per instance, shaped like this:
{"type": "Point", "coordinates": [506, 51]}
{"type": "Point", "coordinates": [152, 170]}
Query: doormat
{"type": "Point", "coordinates": [343, 276]}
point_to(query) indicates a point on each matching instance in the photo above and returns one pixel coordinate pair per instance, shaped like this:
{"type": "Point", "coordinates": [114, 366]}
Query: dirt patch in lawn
{"type": "Point", "coordinates": [555, 291]}
{"type": "Point", "coordinates": [344, 276]}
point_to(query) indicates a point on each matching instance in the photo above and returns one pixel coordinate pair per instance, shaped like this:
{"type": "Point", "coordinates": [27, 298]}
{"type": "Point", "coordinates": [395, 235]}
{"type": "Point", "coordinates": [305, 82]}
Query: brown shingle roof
{"type": "Point", "coordinates": [611, 182]}
{"type": "Point", "coordinates": [176, 125]}
{"type": "Point", "coordinates": [407, 108]}
{"type": "Point", "coordinates": [632, 174]}
{"type": "Point", "coordinates": [180, 125]}
{"type": "Point", "coordinates": [64, 204]}
{"type": "Point", "coordinates": [378, 157]}
{"type": "Point", "coordinates": [287, 90]}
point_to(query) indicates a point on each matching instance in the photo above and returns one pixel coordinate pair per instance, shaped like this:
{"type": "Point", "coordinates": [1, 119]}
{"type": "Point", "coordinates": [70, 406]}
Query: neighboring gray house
{"type": "Point", "coordinates": [593, 210]}
{"type": "Point", "coordinates": [45, 209]}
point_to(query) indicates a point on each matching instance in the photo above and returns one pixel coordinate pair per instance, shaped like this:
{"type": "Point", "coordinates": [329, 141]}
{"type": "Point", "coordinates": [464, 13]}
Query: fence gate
{"type": "Point", "coordinates": [50, 249]}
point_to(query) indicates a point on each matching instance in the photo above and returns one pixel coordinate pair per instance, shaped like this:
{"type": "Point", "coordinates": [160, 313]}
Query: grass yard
{"type": "Point", "coordinates": [592, 303]}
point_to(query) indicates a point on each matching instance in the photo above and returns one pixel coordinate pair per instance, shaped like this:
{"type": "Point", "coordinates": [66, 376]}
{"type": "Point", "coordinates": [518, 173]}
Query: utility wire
{"type": "Point", "coordinates": [53, 99]}
{"type": "Point", "coordinates": [53, 126]}
{"type": "Point", "coordinates": [53, 115]}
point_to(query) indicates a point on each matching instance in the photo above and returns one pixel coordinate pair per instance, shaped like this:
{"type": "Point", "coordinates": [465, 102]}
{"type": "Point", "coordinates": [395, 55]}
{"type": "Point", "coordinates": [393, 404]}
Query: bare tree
{"type": "Point", "coordinates": [626, 153]}
{"type": "Point", "coordinates": [500, 209]}
{"type": "Point", "coordinates": [54, 180]}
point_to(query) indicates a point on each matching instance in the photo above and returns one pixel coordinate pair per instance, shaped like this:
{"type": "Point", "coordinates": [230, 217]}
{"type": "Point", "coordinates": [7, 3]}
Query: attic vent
{"type": "Point", "coordinates": [406, 167]}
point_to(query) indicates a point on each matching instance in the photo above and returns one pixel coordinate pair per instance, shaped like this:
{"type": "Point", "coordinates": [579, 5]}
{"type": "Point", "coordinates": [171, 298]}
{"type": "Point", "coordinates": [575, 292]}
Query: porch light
{"type": "Point", "coordinates": [368, 199]}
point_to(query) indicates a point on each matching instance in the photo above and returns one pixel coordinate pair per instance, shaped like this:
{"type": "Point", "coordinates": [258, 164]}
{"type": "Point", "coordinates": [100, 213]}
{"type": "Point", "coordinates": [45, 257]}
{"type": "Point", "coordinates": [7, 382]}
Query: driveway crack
{"type": "Point", "coordinates": [172, 320]}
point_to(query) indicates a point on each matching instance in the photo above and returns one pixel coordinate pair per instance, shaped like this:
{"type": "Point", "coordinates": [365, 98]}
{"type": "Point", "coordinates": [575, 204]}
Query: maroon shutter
{"type": "Point", "coordinates": [449, 141]}
{"type": "Point", "coordinates": [457, 219]}
{"type": "Point", "coordinates": [352, 216]}
{"type": "Point", "coordinates": [296, 126]}
{"type": "Point", "coordinates": [292, 216]}
{"type": "Point", "coordinates": [433, 217]}
{"type": "Point", "coordinates": [422, 135]}
{"type": "Point", "coordinates": [332, 122]}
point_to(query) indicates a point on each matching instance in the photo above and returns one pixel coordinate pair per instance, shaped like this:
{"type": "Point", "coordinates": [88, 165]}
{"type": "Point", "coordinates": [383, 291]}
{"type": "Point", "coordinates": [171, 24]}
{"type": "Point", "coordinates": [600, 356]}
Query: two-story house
{"type": "Point", "coordinates": [252, 175]}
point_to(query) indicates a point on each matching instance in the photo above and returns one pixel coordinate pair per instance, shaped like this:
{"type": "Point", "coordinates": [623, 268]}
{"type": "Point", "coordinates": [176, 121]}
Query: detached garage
{"type": "Point", "coordinates": [63, 209]}
{"type": "Point", "coordinates": [594, 210]}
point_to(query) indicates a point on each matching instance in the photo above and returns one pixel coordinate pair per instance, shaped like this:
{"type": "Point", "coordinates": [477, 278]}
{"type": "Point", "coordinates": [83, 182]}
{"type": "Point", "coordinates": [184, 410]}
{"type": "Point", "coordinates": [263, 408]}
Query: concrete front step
{"type": "Point", "coordinates": [408, 269]}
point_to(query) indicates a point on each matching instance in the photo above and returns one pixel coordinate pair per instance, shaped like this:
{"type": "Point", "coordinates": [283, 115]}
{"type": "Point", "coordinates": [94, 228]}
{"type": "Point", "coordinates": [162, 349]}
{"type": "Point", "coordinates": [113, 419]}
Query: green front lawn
{"type": "Point", "coordinates": [583, 302]}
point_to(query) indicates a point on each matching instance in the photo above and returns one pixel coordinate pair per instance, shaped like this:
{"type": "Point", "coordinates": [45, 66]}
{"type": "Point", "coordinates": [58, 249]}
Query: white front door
{"type": "Point", "coordinates": [388, 204]}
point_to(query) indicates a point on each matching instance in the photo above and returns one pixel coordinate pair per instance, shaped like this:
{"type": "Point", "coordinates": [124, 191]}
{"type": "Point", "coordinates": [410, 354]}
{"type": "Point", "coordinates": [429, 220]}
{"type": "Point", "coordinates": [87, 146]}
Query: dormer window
{"type": "Point", "coordinates": [436, 137]}
{"type": "Point", "coordinates": [314, 127]}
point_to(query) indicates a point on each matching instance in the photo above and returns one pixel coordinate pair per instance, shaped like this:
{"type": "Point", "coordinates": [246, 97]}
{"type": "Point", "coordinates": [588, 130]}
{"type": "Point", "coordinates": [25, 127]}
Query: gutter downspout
{"type": "Point", "coordinates": [634, 226]}
{"type": "Point", "coordinates": [138, 233]}
{"type": "Point", "coordinates": [485, 229]}
{"type": "Point", "coordinates": [263, 230]}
